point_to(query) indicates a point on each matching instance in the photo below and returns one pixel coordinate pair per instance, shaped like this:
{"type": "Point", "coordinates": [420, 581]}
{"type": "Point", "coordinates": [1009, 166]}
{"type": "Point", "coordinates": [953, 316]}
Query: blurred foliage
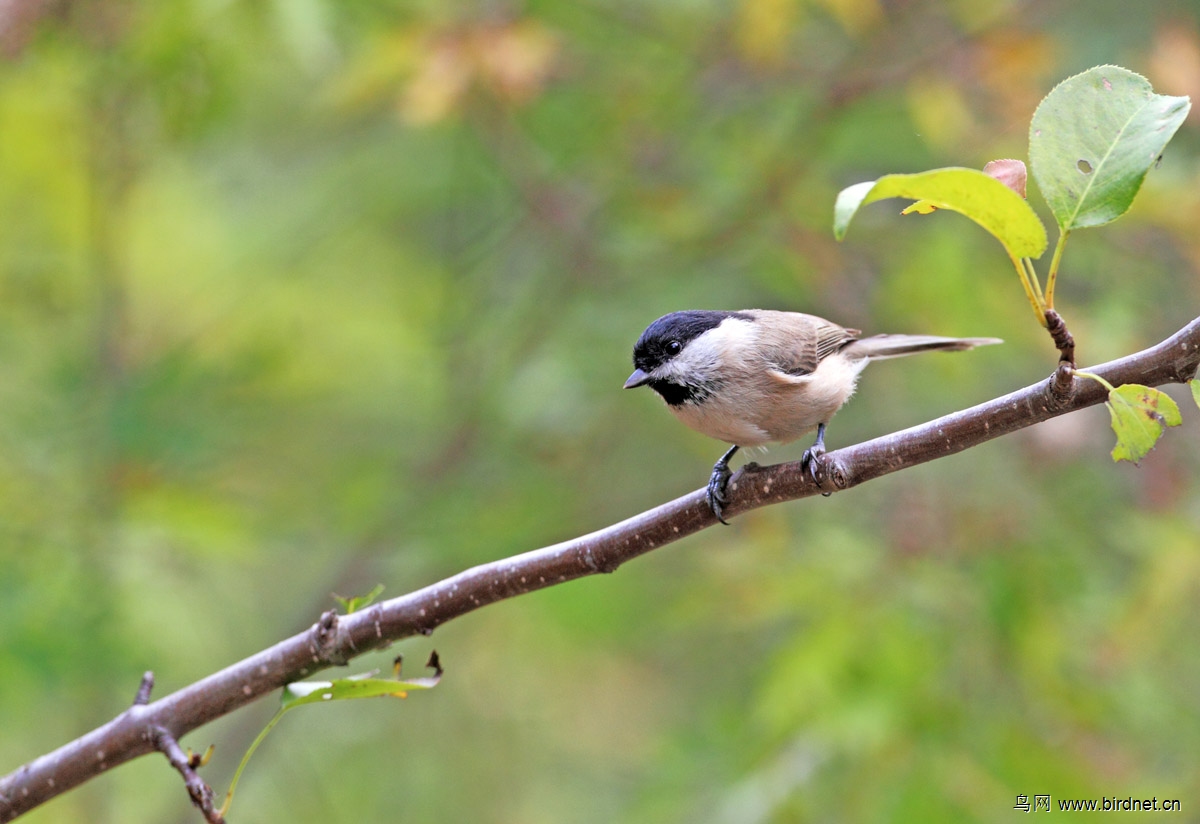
{"type": "Point", "coordinates": [298, 297]}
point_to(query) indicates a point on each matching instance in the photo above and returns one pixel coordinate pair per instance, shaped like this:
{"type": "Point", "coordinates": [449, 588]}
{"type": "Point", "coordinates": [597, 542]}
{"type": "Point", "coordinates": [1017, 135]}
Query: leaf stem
{"type": "Point", "coordinates": [1037, 284]}
{"type": "Point", "coordinates": [1052, 276]}
{"type": "Point", "coordinates": [1079, 373]}
{"type": "Point", "coordinates": [246, 758]}
{"type": "Point", "coordinates": [1033, 289]}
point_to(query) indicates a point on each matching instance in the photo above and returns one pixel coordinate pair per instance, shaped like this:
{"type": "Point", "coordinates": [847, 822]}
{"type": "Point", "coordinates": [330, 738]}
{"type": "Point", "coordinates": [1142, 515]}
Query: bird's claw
{"type": "Point", "coordinates": [812, 457]}
{"type": "Point", "coordinates": [810, 461]}
{"type": "Point", "coordinates": [718, 485]}
{"type": "Point", "coordinates": [717, 492]}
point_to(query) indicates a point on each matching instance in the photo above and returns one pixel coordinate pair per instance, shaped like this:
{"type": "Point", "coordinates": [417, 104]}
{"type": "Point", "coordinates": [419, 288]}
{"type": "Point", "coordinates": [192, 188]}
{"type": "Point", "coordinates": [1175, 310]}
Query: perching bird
{"type": "Point", "coordinates": [757, 376]}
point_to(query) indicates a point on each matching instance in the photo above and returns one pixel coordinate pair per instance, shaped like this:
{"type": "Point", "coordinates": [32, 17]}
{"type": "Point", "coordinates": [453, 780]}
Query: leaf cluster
{"type": "Point", "coordinates": [1092, 141]}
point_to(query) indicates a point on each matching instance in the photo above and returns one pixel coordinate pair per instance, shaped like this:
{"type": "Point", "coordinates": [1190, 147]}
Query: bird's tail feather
{"type": "Point", "coordinates": [894, 346]}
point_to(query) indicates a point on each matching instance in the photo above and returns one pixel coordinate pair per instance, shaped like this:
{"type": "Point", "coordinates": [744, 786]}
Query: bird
{"type": "Point", "coordinates": [754, 377]}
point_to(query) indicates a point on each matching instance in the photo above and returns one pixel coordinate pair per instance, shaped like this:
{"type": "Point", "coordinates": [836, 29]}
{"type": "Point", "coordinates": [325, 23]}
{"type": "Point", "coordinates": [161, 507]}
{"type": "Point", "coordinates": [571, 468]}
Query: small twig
{"type": "Point", "coordinates": [185, 764]}
{"type": "Point", "coordinates": [143, 694]}
{"type": "Point", "coordinates": [1057, 327]}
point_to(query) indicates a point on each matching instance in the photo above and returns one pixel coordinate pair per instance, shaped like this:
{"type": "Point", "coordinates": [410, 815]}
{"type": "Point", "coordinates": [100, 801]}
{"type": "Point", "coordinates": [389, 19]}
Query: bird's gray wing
{"type": "Point", "coordinates": [795, 348]}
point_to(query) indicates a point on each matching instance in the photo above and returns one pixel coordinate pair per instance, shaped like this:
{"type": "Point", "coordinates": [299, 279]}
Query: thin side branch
{"type": "Point", "coordinates": [185, 764]}
{"type": "Point", "coordinates": [1063, 341]}
{"type": "Point", "coordinates": [143, 694]}
{"type": "Point", "coordinates": [335, 640]}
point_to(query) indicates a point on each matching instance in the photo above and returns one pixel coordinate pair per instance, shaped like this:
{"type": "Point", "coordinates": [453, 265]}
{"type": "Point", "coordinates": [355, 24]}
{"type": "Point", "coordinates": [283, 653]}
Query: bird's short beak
{"type": "Point", "coordinates": [638, 378]}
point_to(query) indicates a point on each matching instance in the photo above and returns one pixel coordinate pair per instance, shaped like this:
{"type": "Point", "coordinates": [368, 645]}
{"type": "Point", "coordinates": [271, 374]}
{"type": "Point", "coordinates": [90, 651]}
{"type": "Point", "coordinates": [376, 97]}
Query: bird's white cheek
{"type": "Point", "coordinates": [708, 357]}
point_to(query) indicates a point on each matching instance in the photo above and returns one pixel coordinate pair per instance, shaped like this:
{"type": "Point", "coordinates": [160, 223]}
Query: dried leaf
{"type": "Point", "coordinates": [1011, 173]}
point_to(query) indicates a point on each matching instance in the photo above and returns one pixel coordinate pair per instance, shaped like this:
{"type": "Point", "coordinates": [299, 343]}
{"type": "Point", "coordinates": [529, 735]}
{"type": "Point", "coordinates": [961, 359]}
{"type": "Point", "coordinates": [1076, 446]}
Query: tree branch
{"type": "Point", "coordinates": [335, 640]}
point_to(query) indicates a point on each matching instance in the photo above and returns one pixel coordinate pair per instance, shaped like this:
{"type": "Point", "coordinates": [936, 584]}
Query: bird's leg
{"type": "Point", "coordinates": [808, 459]}
{"type": "Point", "coordinates": [717, 483]}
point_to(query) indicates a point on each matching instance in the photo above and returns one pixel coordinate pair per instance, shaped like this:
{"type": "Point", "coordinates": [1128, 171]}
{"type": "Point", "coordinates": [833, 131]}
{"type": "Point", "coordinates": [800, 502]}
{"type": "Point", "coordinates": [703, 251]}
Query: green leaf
{"type": "Point", "coordinates": [1094, 138]}
{"type": "Point", "coordinates": [1139, 415]}
{"type": "Point", "coordinates": [970, 192]}
{"type": "Point", "coordinates": [355, 686]}
{"type": "Point", "coordinates": [1195, 384]}
{"type": "Point", "coordinates": [364, 685]}
{"type": "Point", "coordinates": [357, 602]}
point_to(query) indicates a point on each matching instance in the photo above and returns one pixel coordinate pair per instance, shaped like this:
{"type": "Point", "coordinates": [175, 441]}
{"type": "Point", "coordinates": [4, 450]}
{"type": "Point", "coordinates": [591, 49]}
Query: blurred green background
{"type": "Point", "coordinates": [298, 297]}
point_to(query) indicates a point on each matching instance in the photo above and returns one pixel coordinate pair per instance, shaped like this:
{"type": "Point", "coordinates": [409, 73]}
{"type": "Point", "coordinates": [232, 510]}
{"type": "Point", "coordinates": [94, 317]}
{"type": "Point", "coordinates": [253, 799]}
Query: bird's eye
{"type": "Point", "coordinates": [674, 347]}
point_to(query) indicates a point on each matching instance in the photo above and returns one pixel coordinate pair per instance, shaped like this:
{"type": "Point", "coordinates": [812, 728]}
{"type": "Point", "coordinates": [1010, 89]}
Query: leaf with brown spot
{"type": "Point", "coordinates": [1139, 416]}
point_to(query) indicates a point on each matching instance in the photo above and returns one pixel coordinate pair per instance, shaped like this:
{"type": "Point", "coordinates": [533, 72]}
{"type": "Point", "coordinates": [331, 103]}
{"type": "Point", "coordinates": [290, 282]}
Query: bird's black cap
{"type": "Point", "coordinates": [667, 337]}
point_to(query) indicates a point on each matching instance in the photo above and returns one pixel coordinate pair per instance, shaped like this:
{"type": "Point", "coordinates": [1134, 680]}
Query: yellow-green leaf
{"type": "Point", "coordinates": [355, 686]}
{"type": "Point", "coordinates": [1195, 384]}
{"type": "Point", "coordinates": [1139, 415]}
{"type": "Point", "coordinates": [920, 207]}
{"type": "Point", "coordinates": [970, 192]}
